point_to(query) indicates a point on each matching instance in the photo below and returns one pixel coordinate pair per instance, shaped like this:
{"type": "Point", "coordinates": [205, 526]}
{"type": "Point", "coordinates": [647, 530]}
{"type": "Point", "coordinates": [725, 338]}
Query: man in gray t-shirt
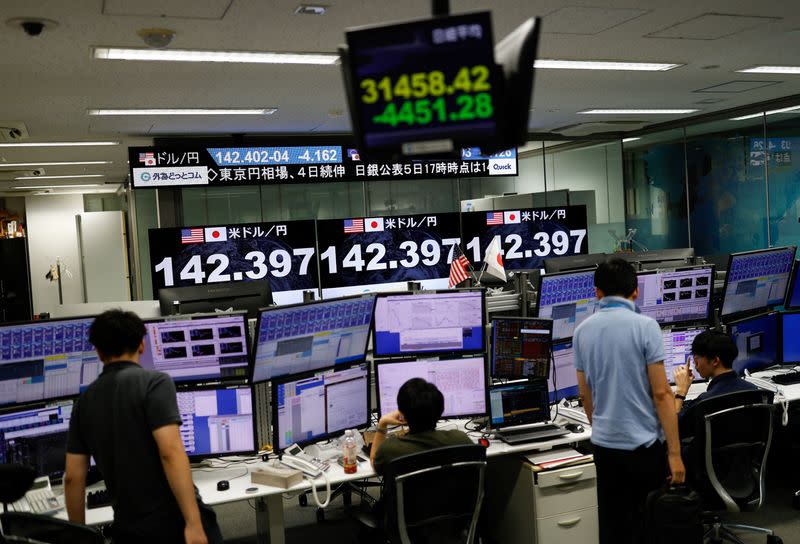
{"type": "Point", "coordinates": [619, 358]}
{"type": "Point", "coordinates": [128, 420]}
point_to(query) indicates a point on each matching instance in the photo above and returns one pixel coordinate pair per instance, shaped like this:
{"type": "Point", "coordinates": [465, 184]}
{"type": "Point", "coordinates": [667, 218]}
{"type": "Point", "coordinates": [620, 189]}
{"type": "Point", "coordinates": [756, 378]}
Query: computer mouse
{"type": "Point", "coordinates": [574, 427]}
{"type": "Point", "coordinates": [223, 485]}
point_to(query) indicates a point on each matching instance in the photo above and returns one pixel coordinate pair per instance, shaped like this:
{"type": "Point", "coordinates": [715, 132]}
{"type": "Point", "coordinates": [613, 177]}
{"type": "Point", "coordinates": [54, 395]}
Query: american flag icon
{"type": "Point", "coordinates": [148, 159]}
{"type": "Point", "coordinates": [355, 225]}
{"type": "Point", "coordinates": [192, 236]}
{"type": "Point", "coordinates": [494, 218]}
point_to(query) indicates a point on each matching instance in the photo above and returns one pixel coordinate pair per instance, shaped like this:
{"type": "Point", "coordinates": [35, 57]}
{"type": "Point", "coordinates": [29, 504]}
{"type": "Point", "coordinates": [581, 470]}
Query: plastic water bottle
{"type": "Point", "coordinates": [349, 453]}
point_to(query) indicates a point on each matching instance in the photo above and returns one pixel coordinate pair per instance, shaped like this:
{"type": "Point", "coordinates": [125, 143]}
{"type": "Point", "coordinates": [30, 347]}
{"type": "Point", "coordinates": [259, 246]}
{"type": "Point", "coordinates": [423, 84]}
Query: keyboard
{"type": "Point", "coordinates": [531, 435]}
{"type": "Point", "coordinates": [98, 499]}
{"type": "Point", "coordinates": [787, 378]}
{"type": "Point", "coordinates": [38, 501]}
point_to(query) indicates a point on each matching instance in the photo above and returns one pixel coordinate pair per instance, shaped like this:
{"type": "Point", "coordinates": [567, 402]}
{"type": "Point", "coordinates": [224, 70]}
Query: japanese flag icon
{"type": "Point", "coordinates": [373, 224]}
{"type": "Point", "coordinates": [511, 217]}
{"type": "Point", "coordinates": [216, 234]}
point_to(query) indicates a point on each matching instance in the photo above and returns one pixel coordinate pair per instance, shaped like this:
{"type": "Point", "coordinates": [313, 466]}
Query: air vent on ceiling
{"type": "Point", "coordinates": [13, 131]}
{"type": "Point", "coordinates": [585, 129]}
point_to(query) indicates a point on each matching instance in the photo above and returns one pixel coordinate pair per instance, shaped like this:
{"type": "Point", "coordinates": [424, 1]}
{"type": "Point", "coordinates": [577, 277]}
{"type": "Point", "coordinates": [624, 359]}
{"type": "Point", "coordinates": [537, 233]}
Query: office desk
{"type": "Point", "coordinates": [269, 501]}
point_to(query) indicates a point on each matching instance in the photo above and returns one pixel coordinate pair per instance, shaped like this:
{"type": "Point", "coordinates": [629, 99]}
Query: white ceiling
{"type": "Point", "coordinates": [48, 82]}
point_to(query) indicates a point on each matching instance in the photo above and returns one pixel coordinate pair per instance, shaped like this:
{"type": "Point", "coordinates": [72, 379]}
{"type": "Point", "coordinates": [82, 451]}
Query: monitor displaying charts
{"type": "Point", "coordinates": [198, 348]}
{"type": "Point", "coordinates": [757, 340]}
{"type": "Point", "coordinates": [314, 406]}
{"type": "Point", "coordinates": [678, 349]}
{"type": "Point", "coordinates": [757, 280]}
{"type": "Point", "coordinates": [676, 296]}
{"type": "Point", "coordinates": [461, 381]}
{"type": "Point", "coordinates": [519, 403]}
{"type": "Point", "coordinates": [790, 325]}
{"type": "Point", "coordinates": [439, 322]}
{"type": "Point", "coordinates": [306, 337]}
{"type": "Point", "coordinates": [567, 299]}
{"type": "Point", "coordinates": [563, 380]}
{"type": "Point", "coordinates": [521, 347]}
{"type": "Point", "coordinates": [43, 360]}
{"type": "Point", "coordinates": [36, 436]}
{"type": "Point", "coordinates": [217, 421]}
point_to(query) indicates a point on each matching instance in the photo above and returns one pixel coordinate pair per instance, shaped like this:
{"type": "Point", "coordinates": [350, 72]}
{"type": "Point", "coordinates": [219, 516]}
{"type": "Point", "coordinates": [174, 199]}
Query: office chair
{"type": "Point", "coordinates": [727, 459]}
{"type": "Point", "coordinates": [20, 527]}
{"type": "Point", "coordinates": [431, 497]}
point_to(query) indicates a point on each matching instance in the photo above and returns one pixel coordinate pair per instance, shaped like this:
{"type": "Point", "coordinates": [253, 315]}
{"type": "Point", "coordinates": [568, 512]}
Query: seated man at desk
{"type": "Point", "coordinates": [128, 419]}
{"type": "Point", "coordinates": [713, 353]}
{"type": "Point", "coordinates": [420, 405]}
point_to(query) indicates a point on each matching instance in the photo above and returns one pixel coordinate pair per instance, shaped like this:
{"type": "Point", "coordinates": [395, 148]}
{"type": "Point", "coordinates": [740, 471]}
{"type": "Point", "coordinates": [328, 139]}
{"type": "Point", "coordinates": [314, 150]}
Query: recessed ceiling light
{"type": "Point", "coordinates": [771, 70]}
{"type": "Point", "coordinates": [184, 111]}
{"type": "Point", "coordinates": [770, 112]}
{"type": "Point", "coordinates": [60, 177]}
{"type": "Point", "coordinates": [604, 65]}
{"type": "Point", "coordinates": [62, 163]}
{"type": "Point", "coordinates": [626, 140]}
{"type": "Point", "coordinates": [193, 55]}
{"type": "Point", "coordinates": [310, 9]}
{"type": "Point", "coordinates": [57, 144]}
{"type": "Point", "coordinates": [659, 111]}
{"type": "Point", "coordinates": [25, 187]}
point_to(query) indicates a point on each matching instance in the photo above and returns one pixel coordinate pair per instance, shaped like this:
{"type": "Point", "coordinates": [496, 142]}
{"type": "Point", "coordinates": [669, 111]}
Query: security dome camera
{"type": "Point", "coordinates": [37, 172]}
{"type": "Point", "coordinates": [157, 38]}
{"type": "Point", "coordinates": [32, 28]}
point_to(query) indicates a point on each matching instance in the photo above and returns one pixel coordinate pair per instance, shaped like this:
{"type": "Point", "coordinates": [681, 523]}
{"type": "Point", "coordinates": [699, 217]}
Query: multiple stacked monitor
{"type": "Point", "coordinates": [314, 355]}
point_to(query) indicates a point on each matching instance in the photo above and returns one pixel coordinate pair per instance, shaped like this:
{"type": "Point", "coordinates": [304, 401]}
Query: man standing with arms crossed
{"type": "Point", "coordinates": [128, 420]}
{"type": "Point", "coordinates": [619, 358]}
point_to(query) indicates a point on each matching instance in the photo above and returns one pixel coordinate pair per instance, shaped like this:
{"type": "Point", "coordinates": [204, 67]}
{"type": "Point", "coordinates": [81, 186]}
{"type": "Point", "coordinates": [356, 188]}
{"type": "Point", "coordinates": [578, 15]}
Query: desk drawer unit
{"type": "Point", "coordinates": [564, 490]}
{"type": "Point", "coordinates": [579, 526]}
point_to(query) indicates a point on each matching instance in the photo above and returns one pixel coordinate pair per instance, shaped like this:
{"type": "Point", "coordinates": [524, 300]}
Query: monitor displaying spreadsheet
{"type": "Point", "coordinates": [678, 349]}
{"type": "Point", "coordinates": [757, 280]}
{"type": "Point", "coordinates": [36, 436]}
{"type": "Point", "coordinates": [567, 299]}
{"type": "Point", "coordinates": [563, 380]}
{"type": "Point", "coordinates": [521, 347]}
{"type": "Point", "coordinates": [676, 296]}
{"type": "Point", "coordinates": [757, 339]}
{"type": "Point", "coordinates": [41, 360]}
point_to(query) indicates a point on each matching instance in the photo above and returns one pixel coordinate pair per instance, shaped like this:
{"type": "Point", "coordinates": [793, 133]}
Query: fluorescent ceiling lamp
{"type": "Point", "coordinates": [604, 65]}
{"type": "Point", "coordinates": [771, 70]}
{"type": "Point", "coordinates": [25, 187]}
{"type": "Point", "coordinates": [192, 55]}
{"type": "Point", "coordinates": [759, 114]}
{"type": "Point", "coordinates": [57, 144]}
{"type": "Point", "coordinates": [63, 163]}
{"type": "Point", "coordinates": [183, 111]}
{"type": "Point", "coordinates": [634, 112]}
{"type": "Point", "coordinates": [626, 140]}
{"type": "Point", "coordinates": [73, 176]}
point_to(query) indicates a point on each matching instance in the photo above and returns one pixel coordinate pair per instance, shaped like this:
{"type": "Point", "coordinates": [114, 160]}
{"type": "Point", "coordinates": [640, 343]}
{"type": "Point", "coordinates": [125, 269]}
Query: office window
{"type": "Point", "coordinates": [412, 197]}
{"type": "Point", "coordinates": [783, 138]}
{"type": "Point", "coordinates": [312, 201]}
{"type": "Point", "coordinates": [210, 206]}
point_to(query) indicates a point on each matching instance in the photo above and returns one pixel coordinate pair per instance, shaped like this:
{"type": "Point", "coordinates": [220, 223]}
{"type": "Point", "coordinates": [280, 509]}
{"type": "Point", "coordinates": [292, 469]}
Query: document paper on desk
{"type": "Point", "coordinates": [554, 455]}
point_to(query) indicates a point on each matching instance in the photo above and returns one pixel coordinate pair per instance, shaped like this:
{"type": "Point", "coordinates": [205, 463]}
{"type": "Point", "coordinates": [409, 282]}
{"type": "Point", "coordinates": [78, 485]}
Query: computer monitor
{"type": "Point", "coordinates": [520, 403]}
{"type": "Point", "coordinates": [217, 421]}
{"type": "Point", "coordinates": [563, 381]}
{"type": "Point", "coordinates": [41, 360]}
{"type": "Point", "coordinates": [306, 337]}
{"type": "Point", "coordinates": [429, 322]}
{"type": "Point", "coordinates": [573, 262]}
{"type": "Point", "coordinates": [216, 297]}
{"type": "Point", "coordinates": [521, 347]}
{"type": "Point", "coordinates": [790, 328]}
{"type": "Point", "coordinates": [676, 296]}
{"type": "Point", "coordinates": [757, 280]}
{"type": "Point", "coordinates": [793, 293]}
{"type": "Point", "coordinates": [313, 406]}
{"type": "Point", "coordinates": [199, 348]}
{"type": "Point", "coordinates": [757, 340]}
{"type": "Point", "coordinates": [567, 298]}
{"type": "Point", "coordinates": [36, 436]}
{"type": "Point", "coordinates": [461, 381]}
{"type": "Point", "coordinates": [678, 349]}
{"type": "Point", "coordinates": [665, 258]}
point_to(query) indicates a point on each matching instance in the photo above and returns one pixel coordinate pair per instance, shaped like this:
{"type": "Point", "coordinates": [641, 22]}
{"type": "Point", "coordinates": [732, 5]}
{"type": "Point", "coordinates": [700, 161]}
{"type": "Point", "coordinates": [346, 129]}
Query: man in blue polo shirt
{"type": "Point", "coordinates": [619, 358]}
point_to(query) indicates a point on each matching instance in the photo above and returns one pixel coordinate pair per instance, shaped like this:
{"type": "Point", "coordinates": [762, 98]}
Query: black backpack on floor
{"type": "Point", "coordinates": [674, 514]}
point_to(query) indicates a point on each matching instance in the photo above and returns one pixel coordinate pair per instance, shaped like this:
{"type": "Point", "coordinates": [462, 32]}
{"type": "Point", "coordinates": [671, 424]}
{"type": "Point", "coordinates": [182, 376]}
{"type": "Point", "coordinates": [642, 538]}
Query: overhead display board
{"type": "Point", "coordinates": [378, 253]}
{"type": "Point", "coordinates": [527, 237]}
{"type": "Point", "coordinates": [154, 167]}
{"type": "Point", "coordinates": [428, 83]}
{"type": "Point", "coordinates": [283, 253]}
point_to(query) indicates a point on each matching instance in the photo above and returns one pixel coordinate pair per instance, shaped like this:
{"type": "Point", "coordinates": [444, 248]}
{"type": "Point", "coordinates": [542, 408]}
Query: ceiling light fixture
{"type": "Point", "coordinates": [26, 187]}
{"type": "Point", "coordinates": [310, 9]}
{"type": "Point", "coordinates": [604, 65]}
{"type": "Point", "coordinates": [771, 70]}
{"type": "Point", "coordinates": [618, 111]}
{"type": "Point", "coordinates": [770, 112]}
{"type": "Point", "coordinates": [193, 55]}
{"type": "Point", "coordinates": [626, 140]}
{"type": "Point", "coordinates": [62, 163]}
{"type": "Point", "coordinates": [183, 111]}
{"type": "Point", "coordinates": [57, 144]}
{"type": "Point", "coordinates": [72, 176]}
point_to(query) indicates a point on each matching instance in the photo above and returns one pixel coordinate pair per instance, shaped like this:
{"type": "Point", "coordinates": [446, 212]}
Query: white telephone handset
{"type": "Point", "coordinates": [294, 457]}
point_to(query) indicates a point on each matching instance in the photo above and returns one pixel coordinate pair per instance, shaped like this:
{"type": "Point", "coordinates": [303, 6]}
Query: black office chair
{"type": "Point", "coordinates": [432, 497]}
{"type": "Point", "coordinates": [18, 527]}
{"type": "Point", "coordinates": [726, 459]}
